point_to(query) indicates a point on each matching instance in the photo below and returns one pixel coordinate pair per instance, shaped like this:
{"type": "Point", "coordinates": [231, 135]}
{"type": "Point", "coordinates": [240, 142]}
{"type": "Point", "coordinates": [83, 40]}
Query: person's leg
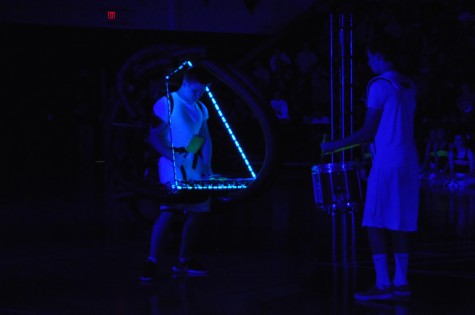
{"type": "Point", "coordinates": [190, 234]}
{"type": "Point", "coordinates": [400, 241]}
{"type": "Point", "coordinates": [160, 231]}
{"type": "Point", "coordinates": [194, 224]}
{"type": "Point", "coordinates": [379, 250]}
{"type": "Point", "coordinates": [190, 237]}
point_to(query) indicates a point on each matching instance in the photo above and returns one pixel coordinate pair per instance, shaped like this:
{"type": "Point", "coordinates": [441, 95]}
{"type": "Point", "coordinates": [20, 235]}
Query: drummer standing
{"type": "Point", "coordinates": [392, 198]}
{"type": "Point", "coordinates": [190, 159]}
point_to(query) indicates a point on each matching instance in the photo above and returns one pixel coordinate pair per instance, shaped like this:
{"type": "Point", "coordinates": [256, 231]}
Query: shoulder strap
{"type": "Point", "coordinates": [397, 84]}
{"type": "Point", "coordinates": [379, 78]}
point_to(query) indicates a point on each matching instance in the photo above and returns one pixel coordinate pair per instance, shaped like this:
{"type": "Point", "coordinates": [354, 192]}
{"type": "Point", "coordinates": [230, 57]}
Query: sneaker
{"type": "Point", "coordinates": [402, 290]}
{"type": "Point", "coordinates": [374, 293]}
{"type": "Point", "coordinates": [190, 267]}
{"type": "Point", "coordinates": [148, 271]}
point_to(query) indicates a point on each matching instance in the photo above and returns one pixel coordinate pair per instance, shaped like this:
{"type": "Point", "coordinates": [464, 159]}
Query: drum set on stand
{"type": "Point", "coordinates": [339, 190]}
{"type": "Point", "coordinates": [338, 187]}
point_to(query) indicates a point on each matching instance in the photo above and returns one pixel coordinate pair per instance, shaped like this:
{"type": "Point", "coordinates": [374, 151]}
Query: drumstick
{"type": "Point", "coordinates": [344, 148]}
{"type": "Point", "coordinates": [323, 141]}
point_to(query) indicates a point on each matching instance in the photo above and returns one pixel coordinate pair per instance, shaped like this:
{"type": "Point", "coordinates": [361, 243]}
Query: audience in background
{"type": "Point", "coordinates": [436, 153]}
{"type": "Point", "coordinates": [280, 107]}
{"type": "Point", "coordinates": [461, 162]}
{"type": "Point", "coordinates": [459, 169]}
{"type": "Point", "coordinates": [261, 75]}
{"type": "Point", "coordinates": [438, 60]}
{"type": "Point", "coordinates": [281, 69]}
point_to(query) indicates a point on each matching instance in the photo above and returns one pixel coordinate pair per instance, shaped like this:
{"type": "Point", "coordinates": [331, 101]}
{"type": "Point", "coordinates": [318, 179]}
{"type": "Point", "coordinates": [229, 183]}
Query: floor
{"type": "Point", "coordinates": [70, 246]}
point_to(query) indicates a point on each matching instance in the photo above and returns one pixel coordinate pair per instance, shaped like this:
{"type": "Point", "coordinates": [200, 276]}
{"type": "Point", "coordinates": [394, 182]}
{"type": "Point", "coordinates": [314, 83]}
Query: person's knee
{"type": "Point", "coordinates": [168, 215]}
{"type": "Point", "coordinates": [377, 241]}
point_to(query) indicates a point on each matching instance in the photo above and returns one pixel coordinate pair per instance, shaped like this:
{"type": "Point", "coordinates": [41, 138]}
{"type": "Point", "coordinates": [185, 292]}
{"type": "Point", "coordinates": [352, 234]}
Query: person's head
{"type": "Point", "coordinates": [194, 83]}
{"type": "Point", "coordinates": [383, 53]}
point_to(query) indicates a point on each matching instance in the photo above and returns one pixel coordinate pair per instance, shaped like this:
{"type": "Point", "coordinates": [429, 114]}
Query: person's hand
{"type": "Point", "coordinates": [207, 171]}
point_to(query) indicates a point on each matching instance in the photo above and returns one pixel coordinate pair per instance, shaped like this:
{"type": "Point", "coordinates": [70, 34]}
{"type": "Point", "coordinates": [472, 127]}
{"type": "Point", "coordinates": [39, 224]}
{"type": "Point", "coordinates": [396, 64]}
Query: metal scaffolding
{"type": "Point", "coordinates": [341, 78]}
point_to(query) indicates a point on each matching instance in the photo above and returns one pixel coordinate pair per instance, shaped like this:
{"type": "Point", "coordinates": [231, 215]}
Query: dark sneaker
{"type": "Point", "coordinates": [190, 267]}
{"type": "Point", "coordinates": [374, 293]}
{"type": "Point", "coordinates": [402, 290]}
{"type": "Point", "coordinates": [148, 271]}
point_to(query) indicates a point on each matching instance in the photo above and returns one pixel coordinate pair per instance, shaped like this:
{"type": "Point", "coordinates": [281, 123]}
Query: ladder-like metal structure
{"type": "Point", "coordinates": [341, 78]}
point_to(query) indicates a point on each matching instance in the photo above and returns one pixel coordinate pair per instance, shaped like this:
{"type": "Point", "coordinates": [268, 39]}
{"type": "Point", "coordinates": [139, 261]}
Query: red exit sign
{"type": "Point", "coordinates": [111, 15]}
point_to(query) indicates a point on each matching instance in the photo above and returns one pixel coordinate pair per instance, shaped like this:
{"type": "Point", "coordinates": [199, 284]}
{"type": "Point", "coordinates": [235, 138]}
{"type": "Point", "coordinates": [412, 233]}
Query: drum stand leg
{"type": "Point", "coordinates": [344, 237]}
{"type": "Point", "coordinates": [343, 252]}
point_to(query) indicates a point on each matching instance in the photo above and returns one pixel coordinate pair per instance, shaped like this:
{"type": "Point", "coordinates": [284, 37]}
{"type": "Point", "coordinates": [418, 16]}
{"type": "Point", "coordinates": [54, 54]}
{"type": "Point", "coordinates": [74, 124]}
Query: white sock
{"type": "Point", "coordinates": [401, 264]}
{"type": "Point", "coordinates": [381, 267]}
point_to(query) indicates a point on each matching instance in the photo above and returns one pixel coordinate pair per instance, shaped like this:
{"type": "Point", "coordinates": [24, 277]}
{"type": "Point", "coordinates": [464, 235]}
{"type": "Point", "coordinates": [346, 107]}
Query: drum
{"type": "Point", "coordinates": [337, 186]}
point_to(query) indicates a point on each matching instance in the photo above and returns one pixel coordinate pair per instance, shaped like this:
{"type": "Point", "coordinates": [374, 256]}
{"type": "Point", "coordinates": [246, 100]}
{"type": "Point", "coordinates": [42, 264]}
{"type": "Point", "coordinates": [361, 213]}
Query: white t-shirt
{"type": "Point", "coordinates": [392, 195]}
{"type": "Point", "coordinates": [186, 121]}
{"type": "Point", "coordinates": [394, 95]}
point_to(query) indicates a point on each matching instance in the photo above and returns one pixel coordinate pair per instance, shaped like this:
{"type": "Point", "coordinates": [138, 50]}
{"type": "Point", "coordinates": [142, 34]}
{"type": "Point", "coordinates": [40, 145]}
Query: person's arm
{"type": "Point", "coordinates": [366, 133]}
{"type": "Point", "coordinates": [159, 141]}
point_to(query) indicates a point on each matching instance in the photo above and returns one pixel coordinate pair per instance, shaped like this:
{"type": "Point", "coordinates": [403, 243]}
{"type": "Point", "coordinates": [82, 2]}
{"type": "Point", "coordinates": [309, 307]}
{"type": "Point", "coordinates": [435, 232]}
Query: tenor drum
{"type": "Point", "coordinates": [337, 186]}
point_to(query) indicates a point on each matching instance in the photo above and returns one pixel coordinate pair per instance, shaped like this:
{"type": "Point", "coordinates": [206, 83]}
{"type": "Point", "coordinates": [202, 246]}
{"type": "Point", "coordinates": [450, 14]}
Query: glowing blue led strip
{"type": "Point", "coordinates": [186, 63]}
{"type": "Point", "coordinates": [167, 78]}
{"type": "Point", "coordinates": [207, 185]}
{"type": "Point", "coordinates": [228, 128]}
{"type": "Point", "coordinates": [222, 186]}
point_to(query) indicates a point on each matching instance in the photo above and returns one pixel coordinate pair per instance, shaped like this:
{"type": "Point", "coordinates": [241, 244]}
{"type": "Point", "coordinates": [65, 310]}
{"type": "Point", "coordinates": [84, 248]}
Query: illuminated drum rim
{"type": "Point", "coordinates": [333, 167]}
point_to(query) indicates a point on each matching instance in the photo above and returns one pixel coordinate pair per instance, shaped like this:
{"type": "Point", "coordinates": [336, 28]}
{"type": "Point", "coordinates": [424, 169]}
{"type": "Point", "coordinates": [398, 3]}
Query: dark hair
{"type": "Point", "coordinates": [403, 53]}
{"type": "Point", "coordinates": [197, 74]}
{"type": "Point", "coordinates": [386, 45]}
